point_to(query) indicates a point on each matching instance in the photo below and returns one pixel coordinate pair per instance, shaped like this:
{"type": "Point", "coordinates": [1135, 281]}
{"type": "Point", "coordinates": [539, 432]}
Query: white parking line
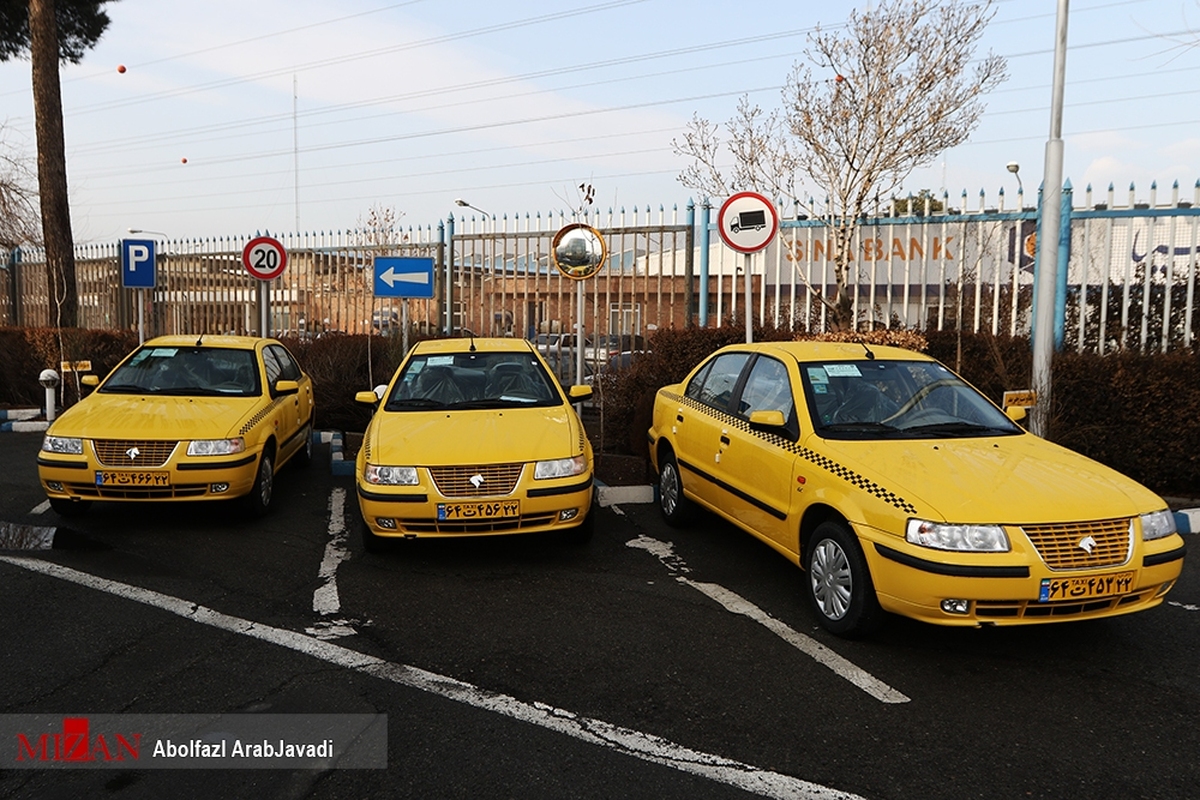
{"type": "Point", "coordinates": [665, 552]}
{"type": "Point", "coordinates": [326, 600]}
{"type": "Point", "coordinates": [40, 508]}
{"type": "Point", "coordinates": [629, 742]}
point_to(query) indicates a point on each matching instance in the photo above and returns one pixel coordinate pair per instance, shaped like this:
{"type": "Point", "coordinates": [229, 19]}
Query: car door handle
{"type": "Point", "coordinates": [724, 439]}
{"type": "Point", "coordinates": [679, 417]}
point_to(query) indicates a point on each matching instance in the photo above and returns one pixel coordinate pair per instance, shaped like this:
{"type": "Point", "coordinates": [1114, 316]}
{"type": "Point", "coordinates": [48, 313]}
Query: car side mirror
{"type": "Point", "coordinates": [366, 398]}
{"type": "Point", "coordinates": [287, 387]}
{"type": "Point", "coordinates": [1015, 413]}
{"type": "Point", "coordinates": [768, 419]}
{"type": "Point", "coordinates": [579, 392]}
{"type": "Point", "coordinates": [90, 380]}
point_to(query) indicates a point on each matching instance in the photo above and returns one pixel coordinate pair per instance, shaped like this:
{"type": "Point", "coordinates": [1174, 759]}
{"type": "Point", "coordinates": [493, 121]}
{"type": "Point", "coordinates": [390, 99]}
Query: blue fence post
{"type": "Point", "coordinates": [689, 291]}
{"type": "Point", "coordinates": [704, 234]}
{"type": "Point", "coordinates": [1064, 262]}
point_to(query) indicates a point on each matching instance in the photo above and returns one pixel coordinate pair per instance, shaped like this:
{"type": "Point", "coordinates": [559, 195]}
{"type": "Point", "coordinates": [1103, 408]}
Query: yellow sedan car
{"type": "Point", "coordinates": [474, 437]}
{"type": "Point", "coordinates": [182, 418]}
{"type": "Point", "coordinates": [900, 488]}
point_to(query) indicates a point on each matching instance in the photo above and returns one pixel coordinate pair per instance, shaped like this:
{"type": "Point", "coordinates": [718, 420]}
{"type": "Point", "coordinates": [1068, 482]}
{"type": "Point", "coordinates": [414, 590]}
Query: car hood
{"type": "Point", "coordinates": [1005, 479]}
{"type": "Point", "coordinates": [136, 416]}
{"type": "Point", "coordinates": [492, 436]}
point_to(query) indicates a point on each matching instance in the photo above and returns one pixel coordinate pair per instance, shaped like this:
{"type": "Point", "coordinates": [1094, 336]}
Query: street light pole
{"type": "Point", "coordinates": [1046, 281]}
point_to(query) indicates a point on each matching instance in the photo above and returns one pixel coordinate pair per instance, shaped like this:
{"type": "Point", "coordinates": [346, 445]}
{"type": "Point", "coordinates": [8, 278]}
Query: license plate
{"type": "Point", "coordinates": [499, 509]}
{"type": "Point", "coordinates": [1083, 588]}
{"type": "Point", "coordinates": [109, 478]}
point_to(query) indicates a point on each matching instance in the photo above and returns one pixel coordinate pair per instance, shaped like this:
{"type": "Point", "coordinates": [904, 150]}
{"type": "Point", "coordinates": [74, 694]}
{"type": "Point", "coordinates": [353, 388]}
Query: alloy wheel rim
{"type": "Point", "coordinates": [669, 489]}
{"type": "Point", "coordinates": [268, 477]}
{"type": "Point", "coordinates": [832, 581]}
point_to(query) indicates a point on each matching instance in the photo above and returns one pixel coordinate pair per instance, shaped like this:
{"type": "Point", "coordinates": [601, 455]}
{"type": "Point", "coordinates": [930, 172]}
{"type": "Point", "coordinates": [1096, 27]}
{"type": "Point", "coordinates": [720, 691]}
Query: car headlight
{"type": "Point", "coordinates": [559, 468]}
{"type": "Point", "coordinates": [216, 447]}
{"type": "Point", "coordinates": [967, 538]}
{"type": "Point", "coordinates": [390, 476]}
{"type": "Point", "coordinates": [72, 445]}
{"type": "Point", "coordinates": [1157, 525]}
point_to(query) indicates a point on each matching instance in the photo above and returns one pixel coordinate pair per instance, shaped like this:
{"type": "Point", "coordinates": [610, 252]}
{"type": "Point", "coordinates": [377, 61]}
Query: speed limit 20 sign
{"type": "Point", "coordinates": [264, 258]}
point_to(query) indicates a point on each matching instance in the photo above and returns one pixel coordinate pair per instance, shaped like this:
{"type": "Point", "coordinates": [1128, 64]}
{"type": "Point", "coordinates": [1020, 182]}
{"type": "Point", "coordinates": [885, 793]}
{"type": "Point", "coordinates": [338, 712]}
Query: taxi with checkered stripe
{"type": "Point", "coordinates": [900, 488]}
{"type": "Point", "coordinates": [182, 418]}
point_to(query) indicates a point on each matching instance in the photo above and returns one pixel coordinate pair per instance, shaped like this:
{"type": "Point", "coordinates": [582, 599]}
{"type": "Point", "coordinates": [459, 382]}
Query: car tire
{"type": "Point", "coordinates": [69, 508]}
{"type": "Point", "coordinates": [304, 455]}
{"type": "Point", "coordinates": [676, 509]}
{"type": "Point", "coordinates": [258, 502]}
{"type": "Point", "coordinates": [839, 585]}
{"type": "Point", "coordinates": [371, 543]}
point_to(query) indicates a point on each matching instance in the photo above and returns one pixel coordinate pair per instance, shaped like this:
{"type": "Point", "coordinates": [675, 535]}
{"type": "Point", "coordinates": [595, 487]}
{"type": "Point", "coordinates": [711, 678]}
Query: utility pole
{"type": "Point", "coordinates": [1046, 281]}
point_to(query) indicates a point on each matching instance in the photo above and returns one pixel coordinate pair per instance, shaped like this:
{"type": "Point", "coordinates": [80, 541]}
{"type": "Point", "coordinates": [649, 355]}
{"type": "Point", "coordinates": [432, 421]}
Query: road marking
{"type": "Point", "coordinates": [1184, 606]}
{"type": "Point", "coordinates": [326, 600]}
{"type": "Point", "coordinates": [627, 741]}
{"type": "Point", "coordinates": [41, 508]}
{"type": "Point", "coordinates": [665, 552]}
{"type": "Point", "coordinates": [14, 536]}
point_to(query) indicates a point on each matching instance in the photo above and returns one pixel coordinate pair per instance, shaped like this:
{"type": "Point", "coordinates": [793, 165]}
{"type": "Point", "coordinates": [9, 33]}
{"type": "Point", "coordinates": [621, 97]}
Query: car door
{"type": "Point", "coordinates": [700, 418]}
{"type": "Point", "coordinates": [757, 463]}
{"type": "Point", "coordinates": [286, 407]}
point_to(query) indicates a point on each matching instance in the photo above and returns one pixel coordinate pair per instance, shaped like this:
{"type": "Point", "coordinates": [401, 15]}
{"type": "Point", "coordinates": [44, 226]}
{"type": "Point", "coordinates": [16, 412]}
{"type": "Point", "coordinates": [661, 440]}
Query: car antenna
{"type": "Point", "coordinates": [870, 355]}
{"type": "Point", "coordinates": [472, 335]}
{"type": "Point", "coordinates": [199, 340]}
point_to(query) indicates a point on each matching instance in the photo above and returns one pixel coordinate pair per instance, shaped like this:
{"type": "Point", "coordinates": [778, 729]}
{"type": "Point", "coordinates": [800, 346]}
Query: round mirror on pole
{"type": "Point", "coordinates": [579, 252]}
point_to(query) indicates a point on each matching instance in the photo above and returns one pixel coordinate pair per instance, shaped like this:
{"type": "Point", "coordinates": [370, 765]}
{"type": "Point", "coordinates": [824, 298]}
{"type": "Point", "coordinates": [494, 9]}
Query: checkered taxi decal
{"type": "Point", "coordinates": [825, 463]}
{"type": "Point", "coordinates": [263, 414]}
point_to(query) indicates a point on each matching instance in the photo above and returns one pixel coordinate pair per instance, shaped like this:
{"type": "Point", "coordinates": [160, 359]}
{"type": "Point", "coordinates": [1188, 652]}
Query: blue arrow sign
{"type": "Point", "coordinates": [404, 277]}
{"type": "Point", "coordinates": [137, 263]}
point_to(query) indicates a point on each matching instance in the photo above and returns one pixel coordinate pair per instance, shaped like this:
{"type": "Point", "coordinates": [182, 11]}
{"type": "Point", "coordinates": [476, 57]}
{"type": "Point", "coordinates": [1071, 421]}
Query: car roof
{"type": "Point", "coordinates": [482, 344]}
{"type": "Point", "coordinates": [205, 340]}
{"type": "Point", "coordinates": [831, 351]}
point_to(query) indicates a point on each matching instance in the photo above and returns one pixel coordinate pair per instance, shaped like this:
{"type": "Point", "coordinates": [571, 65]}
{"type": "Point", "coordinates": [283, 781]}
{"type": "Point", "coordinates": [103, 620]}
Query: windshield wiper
{"type": "Point", "coordinates": [126, 388]}
{"type": "Point", "coordinates": [960, 428]}
{"type": "Point", "coordinates": [495, 402]}
{"type": "Point", "coordinates": [414, 402]}
{"type": "Point", "coordinates": [865, 427]}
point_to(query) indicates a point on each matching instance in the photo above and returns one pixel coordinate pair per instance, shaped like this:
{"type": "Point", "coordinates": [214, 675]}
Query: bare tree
{"type": "Point", "coordinates": [871, 102]}
{"type": "Point", "coordinates": [19, 220]}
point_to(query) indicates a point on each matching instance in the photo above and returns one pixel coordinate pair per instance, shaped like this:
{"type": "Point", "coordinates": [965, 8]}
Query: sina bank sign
{"type": "Point", "coordinates": [76, 743]}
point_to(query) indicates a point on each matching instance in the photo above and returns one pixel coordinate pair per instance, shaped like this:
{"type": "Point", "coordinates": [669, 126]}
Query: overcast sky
{"type": "Point", "coordinates": [313, 111]}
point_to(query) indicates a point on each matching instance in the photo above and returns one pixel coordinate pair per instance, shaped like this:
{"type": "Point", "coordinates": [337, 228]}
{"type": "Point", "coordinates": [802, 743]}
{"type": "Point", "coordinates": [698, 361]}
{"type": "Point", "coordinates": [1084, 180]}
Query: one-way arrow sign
{"type": "Point", "coordinates": [404, 277]}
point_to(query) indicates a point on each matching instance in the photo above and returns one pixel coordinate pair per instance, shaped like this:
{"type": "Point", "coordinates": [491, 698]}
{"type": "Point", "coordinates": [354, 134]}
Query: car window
{"type": "Point", "coordinates": [289, 370]}
{"type": "Point", "coordinates": [274, 368]}
{"type": "Point", "coordinates": [719, 380]}
{"type": "Point", "coordinates": [186, 371]}
{"type": "Point", "coordinates": [897, 399]}
{"type": "Point", "coordinates": [768, 388]}
{"type": "Point", "coordinates": [472, 380]}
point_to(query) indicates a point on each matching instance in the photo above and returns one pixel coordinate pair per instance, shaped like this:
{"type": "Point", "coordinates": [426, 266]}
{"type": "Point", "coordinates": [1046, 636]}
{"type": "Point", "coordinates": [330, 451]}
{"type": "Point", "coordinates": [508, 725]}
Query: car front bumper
{"type": "Point", "coordinates": [83, 477]}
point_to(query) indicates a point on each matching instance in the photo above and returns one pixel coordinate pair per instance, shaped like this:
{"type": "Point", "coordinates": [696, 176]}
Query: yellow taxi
{"type": "Point", "coordinates": [899, 488]}
{"type": "Point", "coordinates": [473, 437]}
{"type": "Point", "coordinates": [182, 418]}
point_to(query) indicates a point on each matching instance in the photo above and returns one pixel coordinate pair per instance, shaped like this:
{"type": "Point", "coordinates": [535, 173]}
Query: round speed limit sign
{"type": "Point", "coordinates": [264, 258]}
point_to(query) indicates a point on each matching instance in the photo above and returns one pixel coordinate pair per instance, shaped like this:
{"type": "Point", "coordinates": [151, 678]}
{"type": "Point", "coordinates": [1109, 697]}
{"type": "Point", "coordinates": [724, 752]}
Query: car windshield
{"type": "Point", "coordinates": [187, 371]}
{"type": "Point", "coordinates": [472, 381]}
{"type": "Point", "coordinates": [897, 399]}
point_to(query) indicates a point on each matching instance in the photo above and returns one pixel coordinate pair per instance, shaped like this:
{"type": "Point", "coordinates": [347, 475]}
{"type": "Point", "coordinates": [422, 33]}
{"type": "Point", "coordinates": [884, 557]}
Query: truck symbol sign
{"type": "Point", "coordinates": [749, 221]}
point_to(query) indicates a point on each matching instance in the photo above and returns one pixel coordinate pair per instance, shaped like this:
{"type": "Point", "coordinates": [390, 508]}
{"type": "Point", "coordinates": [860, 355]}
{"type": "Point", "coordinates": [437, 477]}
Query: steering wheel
{"type": "Point", "coordinates": [920, 395]}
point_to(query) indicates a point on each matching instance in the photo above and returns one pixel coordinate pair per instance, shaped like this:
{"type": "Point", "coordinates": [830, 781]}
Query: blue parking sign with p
{"type": "Point", "coordinates": [137, 263]}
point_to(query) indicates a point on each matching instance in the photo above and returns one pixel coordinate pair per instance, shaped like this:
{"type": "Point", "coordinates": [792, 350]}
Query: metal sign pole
{"type": "Point", "coordinates": [749, 303]}
{"type": "Point", "coordinates": [264, 301]}
{"type": "Point", "coordinates": [579, 306]}
{"type": "Point", "coordinates": [404, 322]}
{"type": "Point", "coordinates": [141, 295]}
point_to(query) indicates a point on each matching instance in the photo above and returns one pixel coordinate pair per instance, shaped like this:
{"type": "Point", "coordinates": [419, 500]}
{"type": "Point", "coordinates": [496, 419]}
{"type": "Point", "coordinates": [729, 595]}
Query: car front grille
{"type": "Point", "coordinates": [1066, 609]}
{"type": "Point", "coordinates": [477, 527]}
{"type": "Point", "coordinates": [497, 479]}
{"type": "Point", "coordinates": [1061, 545]}
{"type": "Point", "coordinates": [90, 491]}
{"type": "Point", "coordinates": [145, 452]}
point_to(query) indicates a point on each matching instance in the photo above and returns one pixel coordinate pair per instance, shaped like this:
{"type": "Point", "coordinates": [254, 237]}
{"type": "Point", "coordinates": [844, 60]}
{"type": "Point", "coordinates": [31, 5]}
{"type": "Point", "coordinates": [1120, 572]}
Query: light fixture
{"type": "Point", "coordinates": [1015, 169]}
{"type": "Point", "coordinates": [458, 201]}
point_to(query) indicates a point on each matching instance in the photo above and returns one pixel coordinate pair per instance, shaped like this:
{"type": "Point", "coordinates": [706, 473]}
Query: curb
{"type": "Point", "coordinates": [22, 420]}
{"type": "Point", "coordinates": [613, 495]}
{"type": "Point", "coordinates": [1187, 520]}
{"type": "Point", "coordinates": [338, 465]}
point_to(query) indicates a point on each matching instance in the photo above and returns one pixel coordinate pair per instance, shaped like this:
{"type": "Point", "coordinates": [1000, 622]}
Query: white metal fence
{"type": "Point", "coordinates": [1130, 280]}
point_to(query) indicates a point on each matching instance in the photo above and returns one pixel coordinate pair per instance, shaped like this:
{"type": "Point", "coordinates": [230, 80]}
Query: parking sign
{"type": "Point", "coordinates": [137, 263]}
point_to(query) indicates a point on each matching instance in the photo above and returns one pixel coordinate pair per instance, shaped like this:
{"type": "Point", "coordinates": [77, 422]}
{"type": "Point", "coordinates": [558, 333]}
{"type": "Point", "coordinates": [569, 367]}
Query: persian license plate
{"type": "Point", "coordinates": [498, 509]}
{"type": "Point", "coordinates": [128, 478]}
{"type": "Point", "coordinates": [1083, 588]}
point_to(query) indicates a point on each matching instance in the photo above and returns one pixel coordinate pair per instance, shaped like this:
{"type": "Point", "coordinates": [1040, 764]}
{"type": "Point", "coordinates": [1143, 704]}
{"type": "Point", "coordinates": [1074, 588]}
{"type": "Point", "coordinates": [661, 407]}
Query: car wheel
{"type": "Point", "coordinates": [69, 508]}
{"type": "Point", "coordinates": [259, 499]}
{"type": "Point", "coordinates": [675, 507]}
{"type": "Point", "coordinates": [371, 542]}
{"type": "Point", "coordinates": [839, 584]}
{"type": "Point", "coordinates": [303, 457]}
